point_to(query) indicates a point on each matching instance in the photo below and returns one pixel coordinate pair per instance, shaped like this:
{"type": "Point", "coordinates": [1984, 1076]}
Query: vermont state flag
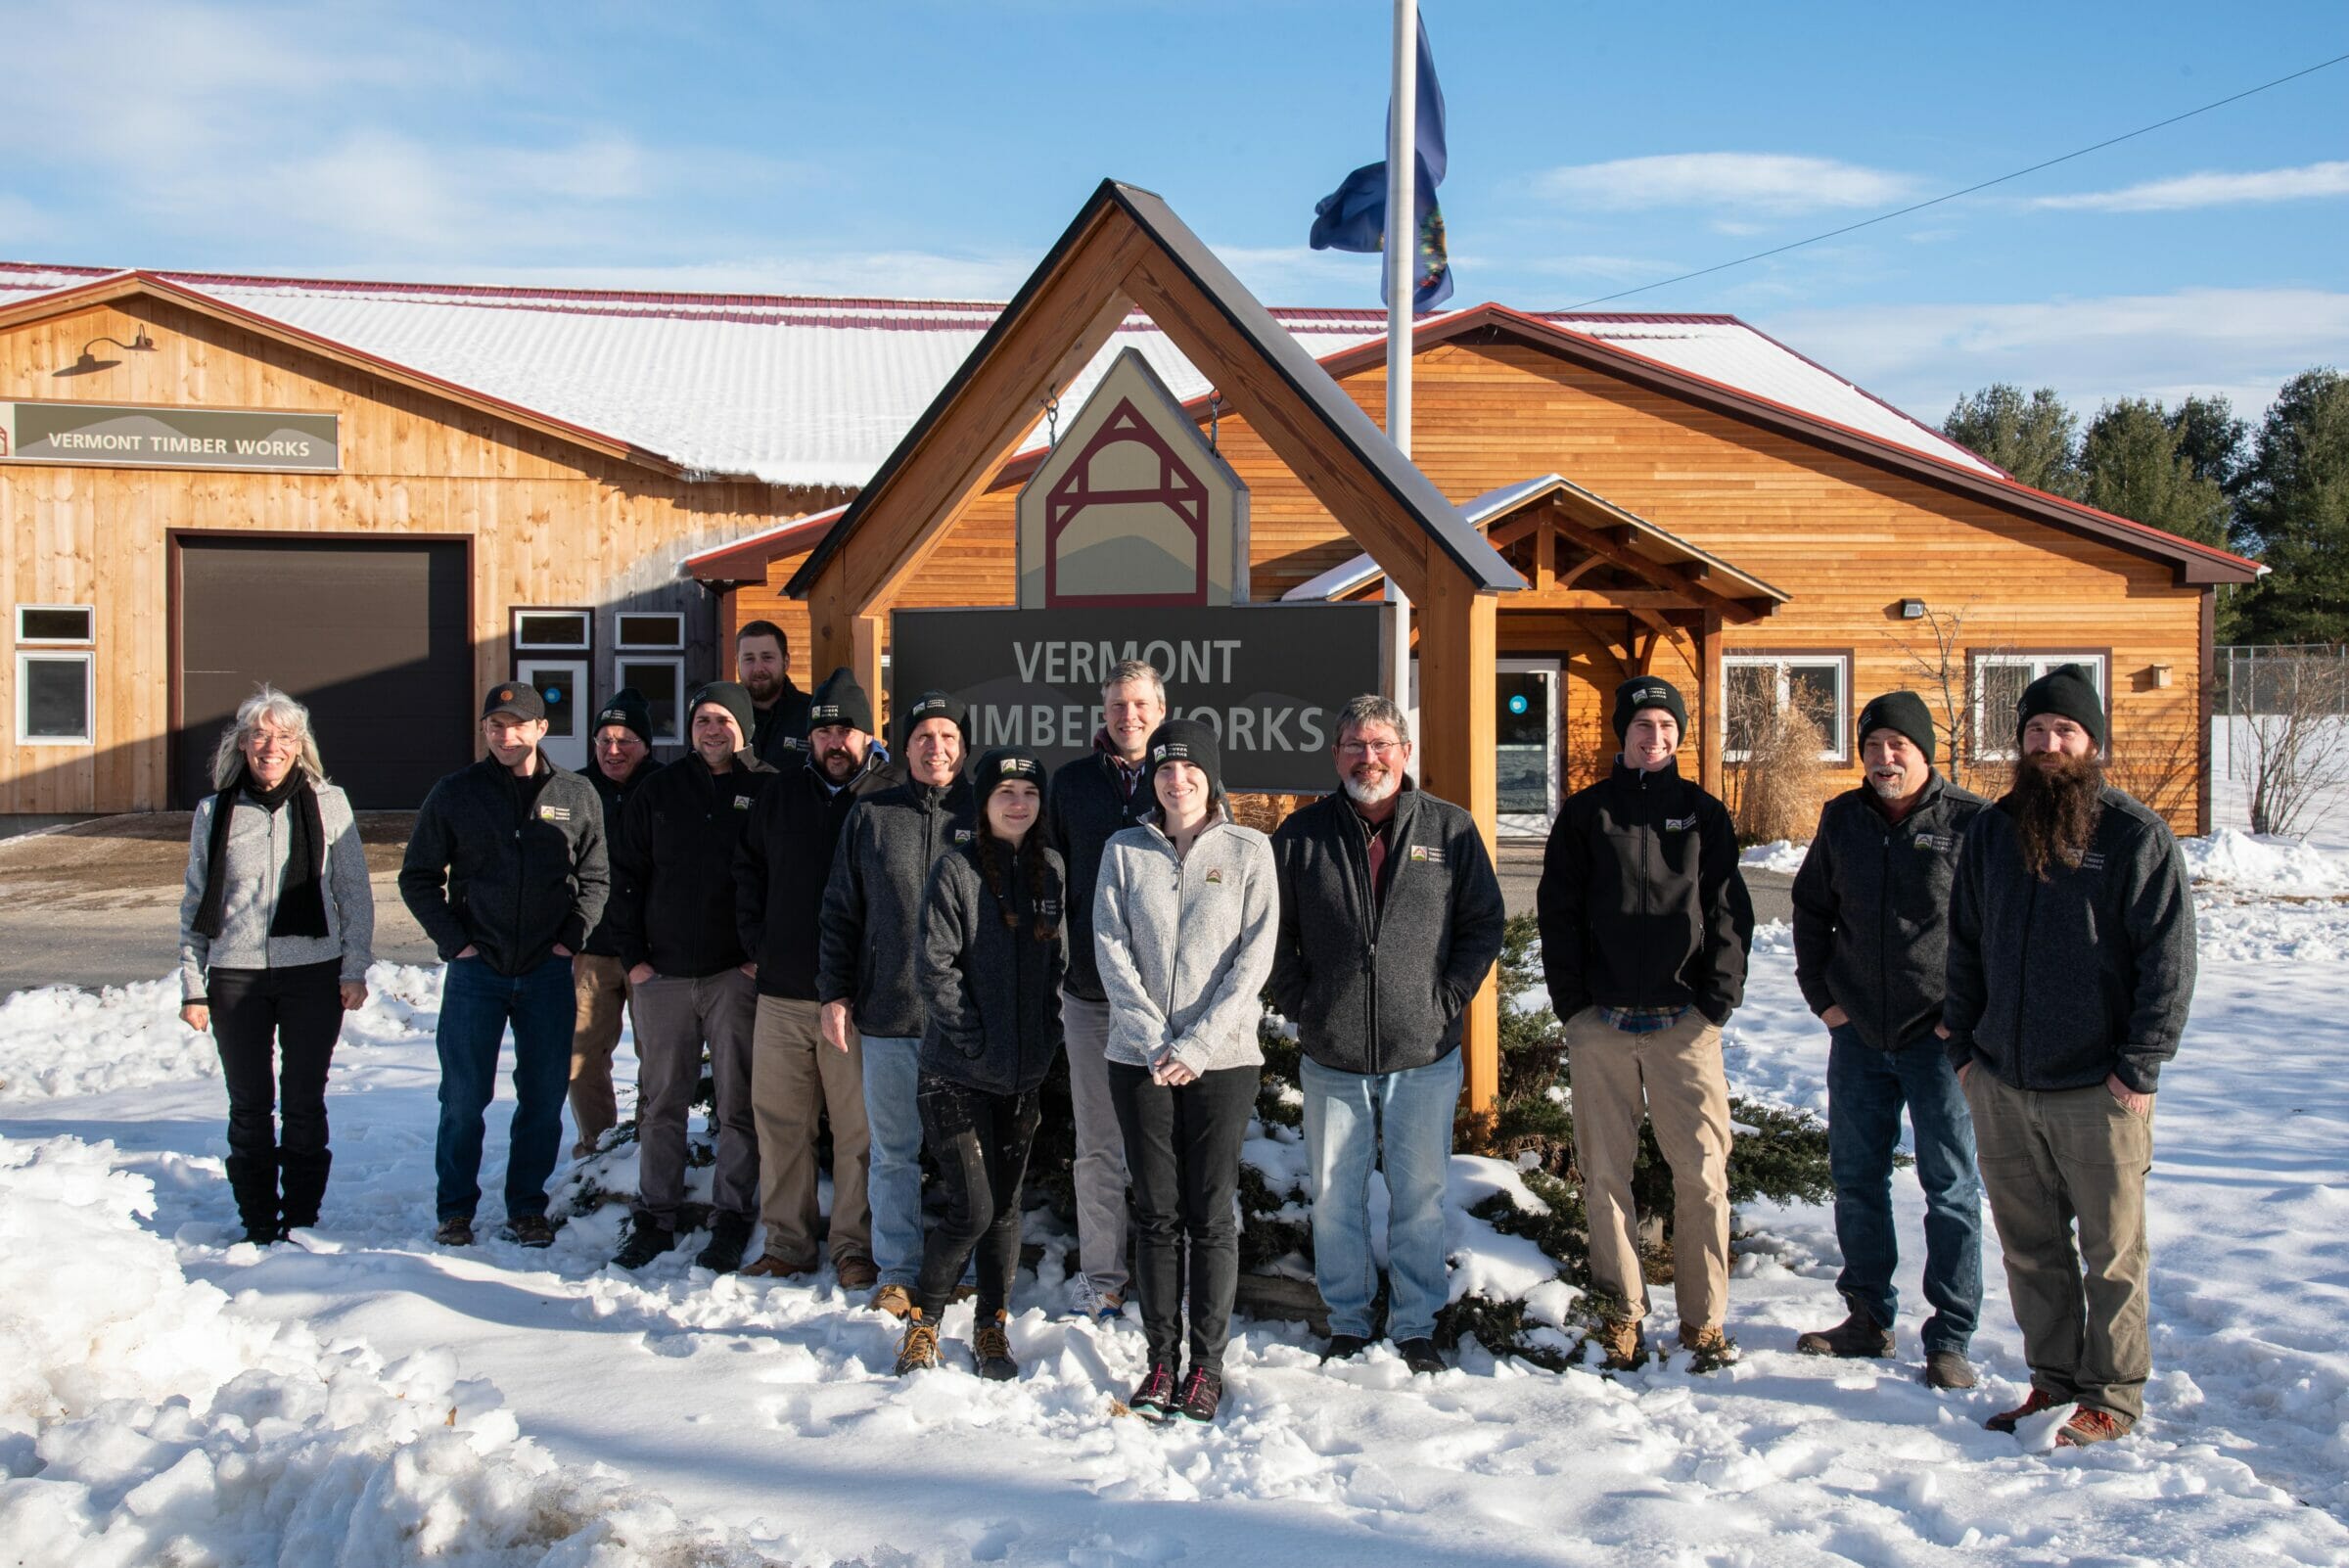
{"type": "Point", "coordinates": [1353, 216]}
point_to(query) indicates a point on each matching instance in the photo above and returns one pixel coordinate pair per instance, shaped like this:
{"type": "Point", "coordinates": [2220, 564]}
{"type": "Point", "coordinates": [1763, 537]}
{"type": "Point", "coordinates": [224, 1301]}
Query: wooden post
{"type": "Point", "coordinates": [1714, 701]}
{"type": "Point", "coordinates": [1457, 753]}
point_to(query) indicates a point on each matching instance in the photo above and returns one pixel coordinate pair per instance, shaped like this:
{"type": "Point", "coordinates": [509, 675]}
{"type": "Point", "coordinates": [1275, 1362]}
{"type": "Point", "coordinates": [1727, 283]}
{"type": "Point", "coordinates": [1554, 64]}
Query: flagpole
{"type": "Point", "coordinates": [1399, 259]}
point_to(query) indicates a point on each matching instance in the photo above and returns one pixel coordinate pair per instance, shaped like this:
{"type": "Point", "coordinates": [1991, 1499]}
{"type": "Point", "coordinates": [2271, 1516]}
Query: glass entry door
{"type": "Point", "coordinates": [563, 683]}
{"type": "Point", "coordinates": [1527, 725]}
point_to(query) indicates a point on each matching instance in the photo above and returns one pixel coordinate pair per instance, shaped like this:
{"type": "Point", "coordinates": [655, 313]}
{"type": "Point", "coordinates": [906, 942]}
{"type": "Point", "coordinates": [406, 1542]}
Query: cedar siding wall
{"type": "Point", "coordinates": [550, 523]}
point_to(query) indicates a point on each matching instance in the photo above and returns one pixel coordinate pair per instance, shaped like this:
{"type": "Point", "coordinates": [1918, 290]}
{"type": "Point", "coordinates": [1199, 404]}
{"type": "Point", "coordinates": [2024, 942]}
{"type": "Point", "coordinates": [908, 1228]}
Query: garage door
{"type": "Point", "coordinates": [373, 638]}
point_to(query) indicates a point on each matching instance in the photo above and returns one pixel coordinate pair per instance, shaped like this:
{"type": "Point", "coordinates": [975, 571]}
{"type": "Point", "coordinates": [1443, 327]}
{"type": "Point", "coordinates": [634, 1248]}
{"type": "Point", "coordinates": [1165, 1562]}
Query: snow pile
{"type": "Point", "coordinates": [143, 1420]}
{"type": "Point", "coordinates": [62, 1039]}
{"type": "Point", "coordinates": [2265, 865]}
{"type": "Point", "coordinates": [1783, 855]}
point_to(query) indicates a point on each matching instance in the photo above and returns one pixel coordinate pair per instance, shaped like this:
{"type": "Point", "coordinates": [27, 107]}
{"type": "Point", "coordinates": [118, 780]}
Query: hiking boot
{"type": "Point", "coordinates": [264, 1234]}
{"type": "Point", "coordinates": [1709, 1349]}
{"type": "Point", "coordinates": [991, 1350]}
{"type": "Point", "coordinates": [918, 1351]}
{"type": "Point", "coordinates": [1420, 1355]}
{"type": "Point", "coordinates": [1154, 1396]}
{"type": "Point", "coordinates": [1858, 1337]}
{"type": "Point", "coordinates": [1345, 1348]}
{"type": "Point", "coordinates": [857, 1274]}
{"type": "Point", "coordinates": [646, 1241]}
{"type": "Point", "coordinates": [1202, 1395]}
{"type": "Point", "coordinates": [772, 1266]}
{"type": "Point", "coordinates": [2091, 1425]}
{"type": "Point", "coordinates": [2007, 1421]}
{"type": "Point", "coordinates": [1949, 1369]}
{"type": "Point", "coordinates": [729, 1234]}
{"type": "Point", "coordinates": [529, 1230]}
{"type": "Point", "coordinates": [1088, 1300]}
{"type": "Point", "coordinates": [894, 1300]}
{"type": "Point", "coordinates": [1621, 1342]}
{"type": "Point", "coordinates": [454, 1231]}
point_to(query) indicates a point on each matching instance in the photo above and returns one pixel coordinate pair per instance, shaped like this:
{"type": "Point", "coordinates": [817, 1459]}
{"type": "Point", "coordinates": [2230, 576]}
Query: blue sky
{"type": "Point", "coordinates": [937, 149]}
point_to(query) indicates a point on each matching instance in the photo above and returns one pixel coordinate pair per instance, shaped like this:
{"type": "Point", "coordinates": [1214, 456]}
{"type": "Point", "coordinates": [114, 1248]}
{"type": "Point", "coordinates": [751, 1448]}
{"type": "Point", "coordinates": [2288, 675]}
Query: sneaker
{"type": "Point", "coordinates": [1709, 1349]}
{"type": "Point", "coordinates": [1420, 1355]}
{"type": "Point", "coordinates": [1088, 1300]}
{"type": "Point", "coordinates": [646, 1241]}
{"type": "Point", "coordinates": [918, 1350]}
{"type": "Point", "coordinates": [991, 1350]}
{"type": "Point", "coordinates": [772, 1266]}
{"type": "Point", "coordinates": [1154, 1396]}
{"type": "Point", "coordinates": [2091, 1425]}
{"type": "Point", "coordinates": [1345, 1347]}
{"type": "Point", "coordinates": [1621, 1342]}
{"type": "Point", "coordinates": [1948, 1368]}
{"type": "Point", "coordinates": [1202, 1395]}
{"type": "Point", "coordinates": [454, 1231]}
{"type": "Point", "coordinates": [528, 1230]}
{"type": "Point", "coordinates": [2007, 1421]}
{"type": "Point", "coordinates": [1858, 1336]}
{"type": "Point", "coordinates": [857, 1274]}
{"type": "Point", "coordinates": [894, 1300]}
{"type": "Point", "coordinates": [729, 1234]}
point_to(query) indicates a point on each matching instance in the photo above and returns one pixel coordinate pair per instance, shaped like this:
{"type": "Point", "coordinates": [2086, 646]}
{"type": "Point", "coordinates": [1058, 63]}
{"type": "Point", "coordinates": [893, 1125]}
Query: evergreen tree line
{"type": "Point", "coordinates": [2279, 494]}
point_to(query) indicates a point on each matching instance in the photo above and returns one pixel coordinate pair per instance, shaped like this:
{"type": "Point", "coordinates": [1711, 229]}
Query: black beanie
{"type": "Point", "coordinates": [1647, 691]}
{"type": "Point", "coordinates": [839, 700]}
{"type": "Point", "coordinates": [1187, 740]}
{"type": "Point", "coordinates": [625, 707]}
{"type": "Point", "coordinates": [1903, 713]}
{"type": "Point", "coordinates": [2067, 691]}
{"type": "Point", "coordinates": [730, 695]}
{"type": "Point", "coordinates": [933, 704]}
{"type": "Point", "coordinates": [1002, 766]}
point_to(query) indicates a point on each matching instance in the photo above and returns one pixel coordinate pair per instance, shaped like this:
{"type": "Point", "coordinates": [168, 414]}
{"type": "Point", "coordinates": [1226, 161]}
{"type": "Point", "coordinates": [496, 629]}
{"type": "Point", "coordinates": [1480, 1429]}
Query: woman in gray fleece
{"type": "Point", "coordinates": [1185, 917]}
{"type": "Point", "coordinates": [276, 930]}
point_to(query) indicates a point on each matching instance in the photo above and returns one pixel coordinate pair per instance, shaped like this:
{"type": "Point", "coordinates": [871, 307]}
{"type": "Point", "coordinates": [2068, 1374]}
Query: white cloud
{"type": "Point", "coordinates": [1765, 182]}
{"type": "Point", "coordinates": [2187, 190]}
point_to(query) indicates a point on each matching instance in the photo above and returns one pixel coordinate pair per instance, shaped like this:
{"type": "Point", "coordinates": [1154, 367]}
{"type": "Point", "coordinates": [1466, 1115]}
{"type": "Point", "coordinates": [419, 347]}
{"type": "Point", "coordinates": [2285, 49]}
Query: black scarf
{"type": "Point", "coordinates": [302, 896]}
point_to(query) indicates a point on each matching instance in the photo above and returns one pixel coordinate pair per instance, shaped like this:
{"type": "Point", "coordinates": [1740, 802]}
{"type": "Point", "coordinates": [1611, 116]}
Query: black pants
{"type": "Point", "coordinates": [276, 1031]}
{"type": "Point", "coordinates": [1182, 1150]}
{"type": "Point", "coordinates": [981, 1143]}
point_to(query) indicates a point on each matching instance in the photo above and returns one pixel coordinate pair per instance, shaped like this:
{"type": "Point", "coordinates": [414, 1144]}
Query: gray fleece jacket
{"type": "Point", "coordinates": [1184, 945]}
{"type": "Point", "coordinates": [259, 844]}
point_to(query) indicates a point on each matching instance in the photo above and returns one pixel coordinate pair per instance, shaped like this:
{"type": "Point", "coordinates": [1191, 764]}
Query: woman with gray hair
{"type": "Point", "coordinates": [275, 935]}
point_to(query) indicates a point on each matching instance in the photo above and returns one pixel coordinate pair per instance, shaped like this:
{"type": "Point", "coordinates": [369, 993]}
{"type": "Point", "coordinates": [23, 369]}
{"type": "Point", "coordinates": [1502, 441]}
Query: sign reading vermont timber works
{"type": "Point", "coordinates": [119, 436]}
{"type": "Point", "coordinates": [1269, 680]}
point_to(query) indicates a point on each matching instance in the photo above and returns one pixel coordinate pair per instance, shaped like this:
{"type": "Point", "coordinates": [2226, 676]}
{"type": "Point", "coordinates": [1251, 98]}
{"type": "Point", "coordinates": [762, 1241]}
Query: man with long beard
{"type": "Point", "coordinates": [2071, 966]}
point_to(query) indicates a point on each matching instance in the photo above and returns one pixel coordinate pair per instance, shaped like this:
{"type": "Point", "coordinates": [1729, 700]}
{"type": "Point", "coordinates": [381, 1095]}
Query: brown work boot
{"type": "Point", "coordinates": [2007, 1421]}
{"type": "Point", "coordinates": [770, 1266]}
{"type": "Point", "coordinates": [1949, 1369]}
{"type": "Point", "coordinates": [1858, 1336]}
{"type": "Point", "coordinates": [1621, 1342]}
{"type": "Point", "coordinates": [857, 1274]}
{"type": "Point", "coordinates": [991, 1350]}
{"type": "Point", "coordinates": [1709, 1349]}
{"type": "Point", "coordinates": [918, 1350]}
{"type": "Point", "coordinates": [2091, 1425]}
{"type": "Point", "coordinates": [894, 1300]}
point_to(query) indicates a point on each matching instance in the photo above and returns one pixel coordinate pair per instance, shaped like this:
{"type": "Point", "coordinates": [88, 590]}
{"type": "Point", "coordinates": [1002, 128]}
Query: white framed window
{"type": "Point", "coordinates": [1760, 686]}
{"type": "Point", "coordinates": [553, 630]}
{"type": "Point", "coordinates": [661, 678]}
{"type": "Point", "coordinates": [1997, 683]}
{"type": "Point", "coordinates": [648, 631]}
{"type": "Point", "coordinates": [56, 626]}
{"type": "Point", "coordinates": [55, 698]}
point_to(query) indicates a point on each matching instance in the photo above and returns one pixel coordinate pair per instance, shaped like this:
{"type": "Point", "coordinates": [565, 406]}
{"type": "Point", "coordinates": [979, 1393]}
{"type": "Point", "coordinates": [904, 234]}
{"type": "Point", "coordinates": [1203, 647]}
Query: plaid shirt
{"type": "Point", "coordinates": [1641, 1020]}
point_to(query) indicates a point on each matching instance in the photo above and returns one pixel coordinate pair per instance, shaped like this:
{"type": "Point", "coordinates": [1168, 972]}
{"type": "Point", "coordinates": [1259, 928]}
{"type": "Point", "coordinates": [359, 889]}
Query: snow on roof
{"type": "Point", "coordinates": [817, 392]}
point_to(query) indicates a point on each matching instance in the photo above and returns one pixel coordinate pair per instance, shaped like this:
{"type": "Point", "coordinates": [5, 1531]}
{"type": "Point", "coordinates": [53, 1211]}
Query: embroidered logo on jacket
{"type": "Point", "coordinates": [743, 802]}
{"type": "Point", "coordinates": [1937, 841]}
{"type": "Point", "coordinates": [1680, 824]}
{"type": "Point", "coordinates": [1216, 875]}
{"type": "Point", "coordinates": [1431, 853]}
{"type": "Point", "coordinates": [554, 813]}
{"type": "Point", "coordinates": [2093, 861]}
{"type": "Point", "coordinates": [963, 835]}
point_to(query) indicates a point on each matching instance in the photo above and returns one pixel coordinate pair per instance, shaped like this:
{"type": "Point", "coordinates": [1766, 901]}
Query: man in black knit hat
{"type": "Point", "coordinates": [1871, 938]}
{"type": "Point", "coordinates": [2071, 967]}
{"type": "Point", "coordinates": [623, 741]}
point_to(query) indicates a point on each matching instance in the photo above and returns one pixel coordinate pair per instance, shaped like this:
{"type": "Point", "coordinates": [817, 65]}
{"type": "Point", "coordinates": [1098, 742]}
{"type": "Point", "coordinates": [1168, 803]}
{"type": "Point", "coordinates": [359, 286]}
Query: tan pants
{"type": "Point", "coordinates": [1677, 1073]}
{"type": "Point", "coordinates": [2053, 1161]}
{"type": "Point", "coordinates": [599, 987]}
{"type": "Point", "coordinates": [796, 1079]}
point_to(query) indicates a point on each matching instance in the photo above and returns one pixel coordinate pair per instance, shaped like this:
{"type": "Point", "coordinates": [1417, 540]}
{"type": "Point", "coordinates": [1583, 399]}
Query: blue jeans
{"type": "Point", "coordinates": [1865, 1091]}
{"type": "Point", "coordinates": [477, 1002]}
{"type": "Point", "coordinates": [1402, 1123]}
{"type": "Point", "coordinates": [893, 1115]}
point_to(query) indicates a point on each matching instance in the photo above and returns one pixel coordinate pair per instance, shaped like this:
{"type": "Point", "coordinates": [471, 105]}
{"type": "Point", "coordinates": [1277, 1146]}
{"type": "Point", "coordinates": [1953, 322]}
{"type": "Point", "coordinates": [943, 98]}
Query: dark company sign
{"type": "Point", "coordinates": [118, 436]}
{"type": "Point", "coordinates": [1268, 679]}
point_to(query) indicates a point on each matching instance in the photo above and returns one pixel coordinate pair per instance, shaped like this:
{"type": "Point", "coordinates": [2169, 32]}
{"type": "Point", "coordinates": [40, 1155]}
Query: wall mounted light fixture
{"type": "Point", "coordinates": [1913, 609]}
{"type": "Point", "coordinates": [140, 344]}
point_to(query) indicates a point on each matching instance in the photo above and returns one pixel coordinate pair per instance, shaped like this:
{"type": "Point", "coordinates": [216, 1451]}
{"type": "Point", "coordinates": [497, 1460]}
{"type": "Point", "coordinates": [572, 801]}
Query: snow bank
{"type": "Point", "coordinates": [63, 1040]}
{"type": "Point", "coordinates": [1783, 855]}
{"type": "Point", "coordinates": [2265, 865]}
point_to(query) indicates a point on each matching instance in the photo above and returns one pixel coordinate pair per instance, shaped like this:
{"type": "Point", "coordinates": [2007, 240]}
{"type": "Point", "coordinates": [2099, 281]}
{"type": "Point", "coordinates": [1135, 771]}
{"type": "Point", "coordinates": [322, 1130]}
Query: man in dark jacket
{"type": "Point", "coordinates": [1092, 799]}
{"type": "Point", "coordinates": [506, 873]}
{"type": "Point", "coordinates": [673, 908]}
{"type": "Point", "coordinates": [1871, 942]}
{"type": "Point", "coordinates": [779, 722]}
{"type": "Point", "coordinates": [1391, 917]}
{"type": "Point", "coordinates": [780, 874]}
{"type": "Point", "coordinates": [2071, 967]}
{"type": "Point", "coordinates": [624, 759]}
{"type": "Point", "coordinates": [868, 972]}
{"type": "Point", "coordinates": [1645, 926]}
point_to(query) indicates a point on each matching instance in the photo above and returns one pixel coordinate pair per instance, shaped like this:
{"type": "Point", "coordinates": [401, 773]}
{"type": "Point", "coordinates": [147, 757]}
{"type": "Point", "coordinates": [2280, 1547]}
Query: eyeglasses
{"type": "Point", "coordinates": [1376, 747]}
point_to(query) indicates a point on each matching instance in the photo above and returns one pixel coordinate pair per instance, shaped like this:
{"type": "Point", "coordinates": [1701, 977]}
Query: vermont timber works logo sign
{"type": "Point", "coordinates": [119, 436]}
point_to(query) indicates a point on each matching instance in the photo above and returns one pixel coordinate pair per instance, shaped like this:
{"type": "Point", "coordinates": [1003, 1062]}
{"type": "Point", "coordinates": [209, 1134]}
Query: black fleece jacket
{"type": "Point", "coordinates": [2056, 985]}
{"type": "Point", "coordinates": [782, 866]}
{"type": "Point", "coordinates": [871, 948]}
{"type": "Point", "coordinates": [672, 865]}
{"type": "Point", "coordinates": [1373, 986]}
{"type": "Point", "coordinates": [511, 867]}
{"type": "Point", "coordinates": [1871, 907]}
{"type": "Point", "coordinates": [1087, 806]}
{"type": "Point", "coordinates": [602, 940]}
{"type": "Point", "coordinates": [1641, 903]}
{"type": "Point", "coordinates": [993, 991]}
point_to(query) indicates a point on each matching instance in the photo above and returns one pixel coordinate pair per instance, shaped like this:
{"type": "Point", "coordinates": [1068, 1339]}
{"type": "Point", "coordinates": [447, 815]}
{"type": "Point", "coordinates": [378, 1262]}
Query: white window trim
{"type": "Point", "coordinates": [89, 696]}
{"type": "Point", "coordinates": [2039, 663]}
{"type": "Point", "coordinates": [676, 664]}
{"type": "Point", "coordinates": [1839, 737]}
{"type": "Point", "coordinates": [674, 644]}
{"type": "Point", "coordinates": [586, 630]}
{"type": "Point", "coordinates": [90, 641]}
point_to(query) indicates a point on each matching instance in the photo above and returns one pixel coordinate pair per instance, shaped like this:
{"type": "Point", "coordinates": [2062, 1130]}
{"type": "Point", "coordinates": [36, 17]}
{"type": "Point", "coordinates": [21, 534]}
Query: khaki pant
{"type": "Point", "coordinates": [2053, 1161]}
{"type": "Point", "coordinates": [1677, 1073]}
{"type": "Point", "coordinates": [796, 1079]}
{"type": "Point", "coordinates": [599, 990]}
{"type": "Point", "coordinates": [675, 1016]}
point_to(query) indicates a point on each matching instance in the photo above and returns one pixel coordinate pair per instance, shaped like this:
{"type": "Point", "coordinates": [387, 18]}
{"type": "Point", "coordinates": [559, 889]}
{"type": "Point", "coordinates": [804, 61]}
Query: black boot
{"type": "Point", "coordinates": [646, 1241]}
{"type": "Point", "coordinates": [305, 1182]}
{"type": "Point", "coordinates": [253, 1179]}
{"type": "Point", "coordinates": [729, 1234]}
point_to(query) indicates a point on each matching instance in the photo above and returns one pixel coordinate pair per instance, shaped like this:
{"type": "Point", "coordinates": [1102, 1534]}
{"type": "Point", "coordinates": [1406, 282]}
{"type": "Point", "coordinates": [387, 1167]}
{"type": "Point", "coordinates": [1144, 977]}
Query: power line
{"type": "Point", "coordinates": [1919, 207]}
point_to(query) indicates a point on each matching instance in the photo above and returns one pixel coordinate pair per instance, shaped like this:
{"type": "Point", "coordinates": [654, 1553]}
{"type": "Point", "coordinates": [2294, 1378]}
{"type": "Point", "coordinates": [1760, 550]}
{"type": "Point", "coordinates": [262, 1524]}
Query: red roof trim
{"type": "Point", "coordinates": [747, 560]}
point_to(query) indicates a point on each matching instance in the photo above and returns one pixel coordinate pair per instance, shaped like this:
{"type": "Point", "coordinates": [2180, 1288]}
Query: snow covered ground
{"type": "Point", "coordinates": [364, 1399]}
